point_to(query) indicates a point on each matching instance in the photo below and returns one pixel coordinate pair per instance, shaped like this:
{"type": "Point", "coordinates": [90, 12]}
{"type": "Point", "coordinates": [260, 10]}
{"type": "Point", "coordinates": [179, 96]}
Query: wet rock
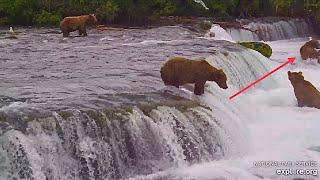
{"type": "Point", "coordinates": [205, 25]}
{"type": "Point", "coordinates": [262, 48]}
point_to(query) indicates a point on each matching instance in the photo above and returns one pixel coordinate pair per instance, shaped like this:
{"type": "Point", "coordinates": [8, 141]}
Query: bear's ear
{"type": "Point", "coordinates": [300, 73]}
{"type": "Point", "coordinates": [289, 72]}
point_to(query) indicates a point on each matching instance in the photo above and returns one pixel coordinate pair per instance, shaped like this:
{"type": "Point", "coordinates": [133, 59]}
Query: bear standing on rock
{"type": "Point", "coordinates": [306, 93]}
{"type": "Point", "coordinates": [310, 50]}
{"type": "Point", "coordinates": [74, 23]}
{"type": "Point", "coordinates": [179, 71]}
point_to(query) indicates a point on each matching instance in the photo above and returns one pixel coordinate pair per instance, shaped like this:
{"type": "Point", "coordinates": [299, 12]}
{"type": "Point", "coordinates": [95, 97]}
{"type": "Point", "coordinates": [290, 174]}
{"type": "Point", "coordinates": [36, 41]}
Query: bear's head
{"type": "Point", "coordinates": [295, 77]}
{"type": "Point", "coordinates": [92, 19]}
{"type": "Point", "coordinates": [313, 43]}
{"type": "Point", "coordinates": [220, 78]}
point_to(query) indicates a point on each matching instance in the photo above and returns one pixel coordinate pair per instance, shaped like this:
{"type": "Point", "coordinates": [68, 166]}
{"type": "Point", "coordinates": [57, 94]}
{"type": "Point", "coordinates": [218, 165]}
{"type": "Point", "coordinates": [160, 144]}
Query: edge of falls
{"type": "Point", "coordinates": [140, 138]}
{"type": "Point", "coordinates": [112, 143]}
{"type": "Point", "coordinates": [272, 29]}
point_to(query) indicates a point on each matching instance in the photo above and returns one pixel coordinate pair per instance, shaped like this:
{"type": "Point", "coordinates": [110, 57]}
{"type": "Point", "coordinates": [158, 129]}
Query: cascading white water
{"type": "Point", "coordinates": [216, 32]}
{"type": "Point", "coordinates": [271, 31]}
{"type": "Point", "coordinates": [80, 148]}
{"type": "Point", "coordinates": [244, 67]}
{"type": "Point", "coordinates": [112, 145]}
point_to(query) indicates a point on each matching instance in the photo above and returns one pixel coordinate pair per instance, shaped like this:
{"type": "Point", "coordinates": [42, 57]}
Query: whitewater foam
{"type": "Point", "coordinates": [218, 33]}
{"type": "Point", "coordinates": [271, 31]}
{"type": "Point", "coordinates": [278, 129]}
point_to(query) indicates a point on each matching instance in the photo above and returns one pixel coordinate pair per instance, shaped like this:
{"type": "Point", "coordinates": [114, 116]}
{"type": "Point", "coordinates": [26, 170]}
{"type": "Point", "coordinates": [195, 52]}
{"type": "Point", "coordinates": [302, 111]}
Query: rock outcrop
{"type": "Point", "coordinates": [262, 48]}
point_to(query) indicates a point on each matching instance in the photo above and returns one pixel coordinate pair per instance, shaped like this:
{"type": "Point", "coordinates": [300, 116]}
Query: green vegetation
{"type": "Point", "coordinates": [262, 48]}
{"type": "Point", "coordinates": [50, 12]}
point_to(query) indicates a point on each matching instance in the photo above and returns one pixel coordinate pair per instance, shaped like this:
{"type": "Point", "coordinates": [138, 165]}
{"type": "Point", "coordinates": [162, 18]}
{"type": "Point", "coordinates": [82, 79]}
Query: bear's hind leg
{"type": "Point", "coordinates": [82, 31]}
{"type": "Point", "coordinates": [199, 88]}
{"type": "Point", "coordinates": [300, 104]}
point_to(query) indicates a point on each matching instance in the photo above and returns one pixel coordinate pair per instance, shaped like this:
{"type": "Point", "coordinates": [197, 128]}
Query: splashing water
{"type": "Point", "coordinates": [218, 33]}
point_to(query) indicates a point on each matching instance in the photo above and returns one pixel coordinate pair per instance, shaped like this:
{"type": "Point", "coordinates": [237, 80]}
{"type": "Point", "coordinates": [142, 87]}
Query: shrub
{"type": "Point", "coordinates": [107, 11]}
{"type": "Point", "coordinates": [47, 19]}
{"type": "Point", "coordinates": [4, 21]}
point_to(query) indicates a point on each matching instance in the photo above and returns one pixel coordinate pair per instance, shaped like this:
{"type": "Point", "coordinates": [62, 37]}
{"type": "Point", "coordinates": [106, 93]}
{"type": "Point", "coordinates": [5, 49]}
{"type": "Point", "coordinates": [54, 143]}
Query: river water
{"type": "Point", "coordinates": [58, 98]}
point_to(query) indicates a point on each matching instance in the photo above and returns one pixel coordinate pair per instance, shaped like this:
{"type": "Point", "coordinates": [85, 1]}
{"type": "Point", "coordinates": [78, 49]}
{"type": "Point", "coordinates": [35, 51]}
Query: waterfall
{"type": "Point", "coordinates": [272, 30]}
{"type": "Point", "coordinates": [243, 67]}
{"type": "Point", "coordinates": [121, 142]}
{"type": "Point", "coordinates": [115, 144]}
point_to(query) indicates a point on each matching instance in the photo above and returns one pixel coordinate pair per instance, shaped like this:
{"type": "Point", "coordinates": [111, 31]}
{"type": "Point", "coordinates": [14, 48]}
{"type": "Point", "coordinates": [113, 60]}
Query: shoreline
{"type": "Point", "coordinates": [176, 20]}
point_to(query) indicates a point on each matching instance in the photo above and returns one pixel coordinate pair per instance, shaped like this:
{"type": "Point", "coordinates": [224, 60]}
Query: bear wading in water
{"type": "Point", "coordinates": [179, 71]}
{"type": "Point", "coordinates": [306, 93]}
{"type": "Point", "coordinates": [309, 50]}
{"type": "Point", "coordinates": [74, 23]}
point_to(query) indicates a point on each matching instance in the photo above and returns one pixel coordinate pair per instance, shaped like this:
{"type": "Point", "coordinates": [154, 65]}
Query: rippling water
{"type": "Point", "coordinates": [43, 67]}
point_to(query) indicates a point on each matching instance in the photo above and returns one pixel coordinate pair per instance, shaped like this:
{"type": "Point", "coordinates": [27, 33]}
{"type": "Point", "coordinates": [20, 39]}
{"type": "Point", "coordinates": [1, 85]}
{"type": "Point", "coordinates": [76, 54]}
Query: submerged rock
{"type": "Point", "coordinates": [310, 50]}
{"type": "Point", "coordinates": [262, 48]}
{"type": "Point", "coordinates": [306, 94]}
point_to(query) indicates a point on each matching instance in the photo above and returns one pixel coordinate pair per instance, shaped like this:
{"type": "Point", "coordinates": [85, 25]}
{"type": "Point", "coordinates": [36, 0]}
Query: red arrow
{"type": "Point", "coordinates": [290, 60]}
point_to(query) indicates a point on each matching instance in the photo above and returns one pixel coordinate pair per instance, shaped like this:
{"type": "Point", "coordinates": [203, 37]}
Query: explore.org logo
{"type": "Point", "coordinates": [288, 172]}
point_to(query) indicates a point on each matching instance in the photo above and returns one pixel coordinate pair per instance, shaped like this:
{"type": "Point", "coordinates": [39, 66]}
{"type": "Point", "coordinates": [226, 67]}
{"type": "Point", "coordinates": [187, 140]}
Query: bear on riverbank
{"type": "Point", "coordinates": [309, 50]}
{"type": "Point", "coordinates": [74, 23]}
{"type": "Point", "coordinates": [306, 93]}
{"type": "Point", "coordinates": [179, 71]}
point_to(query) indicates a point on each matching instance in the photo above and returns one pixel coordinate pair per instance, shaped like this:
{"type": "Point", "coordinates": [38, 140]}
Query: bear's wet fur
{"type": "Point", "coordinates": [306, 94]}
{"type": "Point", "coordinates": [309, 50]}
{"type": "Point", "coordinates": [178, 71]}
{"type": "Point", "coordinates": [74, 23]}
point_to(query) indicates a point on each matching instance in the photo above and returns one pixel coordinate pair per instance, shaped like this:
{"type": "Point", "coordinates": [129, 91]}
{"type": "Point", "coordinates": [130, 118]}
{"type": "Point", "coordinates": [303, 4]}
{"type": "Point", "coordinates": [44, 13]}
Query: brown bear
{"type": "Point", "coordinates": [179, 71]}
{"type": "Point", "coordinates": [306, 93]}
{"type": "Point", "coordinates": [74, 23]}
{"type": "Point", "coordinates": [309, 50]}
